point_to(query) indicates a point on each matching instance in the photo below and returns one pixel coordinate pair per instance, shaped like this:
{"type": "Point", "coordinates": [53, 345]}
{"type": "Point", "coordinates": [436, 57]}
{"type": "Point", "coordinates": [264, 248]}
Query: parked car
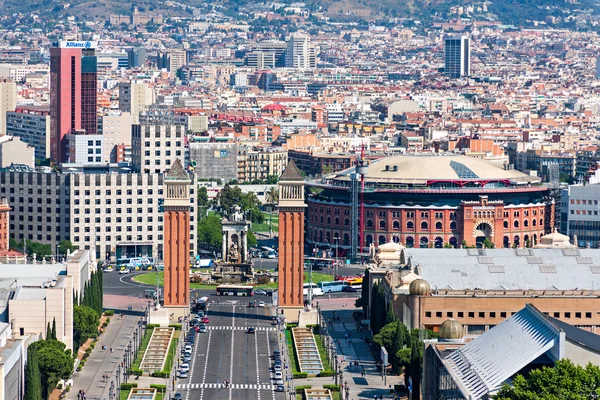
{"type": "Point", "coordinates": [185, 367]}
{"type": "Point", "coordinates": [276, 353]}
{"type": "Point", "coordinates": [280, 388]}
{"type": "Point", "coordinates": [205, 320]}
{"type": "Point", "coordinates": [250, 330]}
{"type": "Point", "coordinates": [203, 329]}
{"type": "Point", "coordinates": [277, 367]}
{"type": "Point", "coordinates": [177, 396]}
{"type": "Point", "coordinates": [182, 374]}
{"type": "Point", "coordinates": [124, 271]}
{"type": "Point", "coordinates": [278, 375]}
{"type": "Point", "coordinates": [260, 292]}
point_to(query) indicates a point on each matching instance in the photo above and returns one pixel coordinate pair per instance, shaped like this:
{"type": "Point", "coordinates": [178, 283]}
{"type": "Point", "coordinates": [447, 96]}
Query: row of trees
{"type": "Point", "coordinates": [47, 362]}
{"type": "Point", "coordinates": [404, 347]}
{"type": "Point", "coordinates": [40, 249]}
{"type": "Point", "coordinates": [87, 310]}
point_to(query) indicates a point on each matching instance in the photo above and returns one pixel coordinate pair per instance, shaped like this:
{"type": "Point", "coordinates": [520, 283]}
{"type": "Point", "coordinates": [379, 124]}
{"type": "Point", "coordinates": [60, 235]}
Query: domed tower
{"type": "Point", "coordinates": [417, 289]}
{"type": "Point", "coordinates": [451, 330]}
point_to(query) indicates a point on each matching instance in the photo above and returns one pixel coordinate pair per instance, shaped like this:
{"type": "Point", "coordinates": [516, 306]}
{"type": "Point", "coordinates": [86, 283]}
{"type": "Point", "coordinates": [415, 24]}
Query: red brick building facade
{"type": "Point", "coordinates": [4, 236]}
{"type": "Point", "coordinates": [437, 213]}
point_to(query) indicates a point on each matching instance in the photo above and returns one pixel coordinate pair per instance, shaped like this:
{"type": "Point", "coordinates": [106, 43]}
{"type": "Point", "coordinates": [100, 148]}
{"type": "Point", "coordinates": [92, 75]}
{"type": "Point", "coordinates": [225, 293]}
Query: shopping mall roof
{"type": "Point", "coordinates": [507, 269]}
{"type": "Point", "coordinates": [422, 169]}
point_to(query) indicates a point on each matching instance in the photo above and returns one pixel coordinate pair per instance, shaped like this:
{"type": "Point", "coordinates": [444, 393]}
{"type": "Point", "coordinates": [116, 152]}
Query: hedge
{"type": "Point", "coordinates": [301, 388]}
{"type": "Point", "coordinates": [325, 373]}
{"type": "Point", "coordinates": [332, 387]}
{"type": "Point", "coordinates": [109, 313]}
{"type": "Point", "coordinates": [158, 386]}
{"type": "Point", "coordinates": [136, 371]}
{"type": "Point", "coordinates": [160, 374]}
{"type": "Point", "coordinates": [300, 375]}
{"type": "Point", "coordinates": [128, 385]}
{"type": "Point", "coordinates": [176, 326]}
{"type": "Point", "coordinates": [152, 326]}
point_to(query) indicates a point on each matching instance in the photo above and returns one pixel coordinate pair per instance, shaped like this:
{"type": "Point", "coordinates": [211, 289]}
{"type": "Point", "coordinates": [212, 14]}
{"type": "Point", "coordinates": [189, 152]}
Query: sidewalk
{"type": "Point", "coordinates": [356, 349]}
{"type": "Point", "coordinates": [89, 379]}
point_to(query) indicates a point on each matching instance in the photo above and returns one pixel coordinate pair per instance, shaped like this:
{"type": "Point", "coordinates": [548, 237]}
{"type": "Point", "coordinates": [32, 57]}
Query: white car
{"type": "Point", "coordinates": [261, 304]}
{"type": "Point", "coordinates": [124, 271]}
{"type": "Point", "coordinates": [277, 367]}
{"type": "Point", "coordinates": [278, 375]}
{"type": "Point", "coordinates": [185, 367]}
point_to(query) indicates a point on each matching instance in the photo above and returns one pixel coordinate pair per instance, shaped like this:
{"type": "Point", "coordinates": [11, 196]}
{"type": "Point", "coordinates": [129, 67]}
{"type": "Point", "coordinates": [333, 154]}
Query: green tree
{"type": "Point", "coordinates": [385, 336]}
{"type": "Point", "coordinates": [53, 331]}
{"type": "Point", "coordinates": [48, 332]}
{"type": "Point", "coordinates": [64, 246]}
{"type": "Point", "coordinates": [210, 235]}
{"type": "Point", "coordinates": [202, 197]}
{"type": "Point", "coordinates": [272, 179]}
{"type": "Point", "coordinates": [33, 379]}
{"type": "Point", "coordinates": [252, 242]}
{"type": "Point", "coordinates": [390, 317]}
{"type": "Point", "coordinates": [416, 365]}
{"type": "Point", "coordinates": [326, 169]}
{"type": "Point", "coordinates": [563, 381]}
{"type": "Point", "coordinates": [55, 363]}
{"type": "Point", "coordinates": [85, 324]}
{"type": "Point", "coordinates": [272, 195]}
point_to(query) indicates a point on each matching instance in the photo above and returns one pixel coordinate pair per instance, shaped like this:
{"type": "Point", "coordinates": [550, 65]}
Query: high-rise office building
{"type": "Point", "coordinates": [73, 92]}
{"type": "Point", "coordinates": [457, 56]}
{"type": "Point", "coordinates": [172, 60]}
{"type": "Point", "coordinates": [300, 52]}
{"type": "Point", "coordinates": [8, 101]}
{"type": "Point", "coordinates": [136, 57]}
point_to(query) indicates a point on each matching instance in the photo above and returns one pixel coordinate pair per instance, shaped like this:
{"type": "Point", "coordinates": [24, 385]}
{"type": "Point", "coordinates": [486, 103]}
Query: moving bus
{"type": "Point", "coordinates": [317, 263]}
{"type": "Point", "coordinates": [235, 290]}
{"type": "Point", "coordinates": [335, 286]}
{"type": "Point", "coordinates": [316, 290]}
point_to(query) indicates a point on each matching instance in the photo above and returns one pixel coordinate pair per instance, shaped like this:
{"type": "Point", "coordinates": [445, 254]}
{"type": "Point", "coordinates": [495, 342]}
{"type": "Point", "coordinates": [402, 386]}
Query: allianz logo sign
{"type": "Point", "coordinates": [85, 45]}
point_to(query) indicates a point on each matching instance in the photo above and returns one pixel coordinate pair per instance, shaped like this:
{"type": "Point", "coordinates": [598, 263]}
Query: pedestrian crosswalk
{"type": "Point", "coordinates": [241, 328]}
{"type": "Point", "coordinates": [263, 386]}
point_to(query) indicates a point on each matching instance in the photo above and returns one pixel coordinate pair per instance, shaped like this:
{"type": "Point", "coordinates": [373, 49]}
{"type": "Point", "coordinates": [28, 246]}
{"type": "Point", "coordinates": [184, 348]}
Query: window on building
{"type": "Point", "coordinates": [427, 314]}
{"type": "Point", "coordinates": [578, 314]}
{"type": "Point", "coordinates": [503, 314]}
{"type": "Point", "coordinates": [471, 314]}
{"type": "Point", "coordinates": [481, 314]}
{"type": "Point", "coordinates": [492, 314]}
{"type": "Point", "coordinates": [567, 315]}
{"type": "Point", "coordinates": [438, 314]}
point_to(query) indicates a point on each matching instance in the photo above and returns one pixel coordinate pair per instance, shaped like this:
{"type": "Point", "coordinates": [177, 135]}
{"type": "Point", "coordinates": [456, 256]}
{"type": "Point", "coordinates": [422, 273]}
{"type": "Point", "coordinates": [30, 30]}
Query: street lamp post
{"type": "Point", "coordinates": [125, 368]}
{"type": "Point", "coordinates": [336, 239]}
{"type": "Point", "coordinates": [119, 375]}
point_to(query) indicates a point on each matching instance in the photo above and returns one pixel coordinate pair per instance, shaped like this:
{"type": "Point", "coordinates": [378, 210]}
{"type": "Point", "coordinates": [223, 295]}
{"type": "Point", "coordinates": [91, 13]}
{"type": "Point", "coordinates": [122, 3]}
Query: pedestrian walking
{"type": "Point", "coordinates": [111, 350]}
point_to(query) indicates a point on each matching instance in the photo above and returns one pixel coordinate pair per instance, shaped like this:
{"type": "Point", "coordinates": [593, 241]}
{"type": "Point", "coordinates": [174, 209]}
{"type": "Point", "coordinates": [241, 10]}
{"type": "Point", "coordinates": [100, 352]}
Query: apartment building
{"type": "Point", "coordinates": [32, 125]}
{"type": "Point", "coordinates": [8, 100]}
{"type": "Point", "coordinates": [579, 212]}
{"type": "Point", "coordinates": [259, 163]}
{"type": "Point", "coordinates": [40, 208]}
{"type": "Point", "coordinates": [116, 131]}
{"type": "Point", "coordinates": [134, 98]}
{"type": "Point", "coordinates": [155, 146]}
{"type": "Point", "coordinates": [214, 160]}
{"type": "Point", "coordinates": [112, 215]}
{"type": "Point", "coordinates": [119, 215]}
{"type": "Point", "coordinates": [15, 152]}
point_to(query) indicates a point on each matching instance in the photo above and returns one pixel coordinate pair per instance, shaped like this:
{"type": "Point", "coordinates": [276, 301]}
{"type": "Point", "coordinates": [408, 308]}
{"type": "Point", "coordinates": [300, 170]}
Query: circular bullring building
{"type": "Point", "coordinates": [430, 201]}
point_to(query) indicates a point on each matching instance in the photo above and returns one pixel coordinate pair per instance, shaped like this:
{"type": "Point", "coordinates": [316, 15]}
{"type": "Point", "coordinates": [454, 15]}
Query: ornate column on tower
{"type": "Point", "coordinates": [177, 241]}
{"type": "Point", "coordinates": [291, 242]}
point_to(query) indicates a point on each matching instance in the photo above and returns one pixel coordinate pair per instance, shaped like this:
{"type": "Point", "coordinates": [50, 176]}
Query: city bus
{"type": "Point", "coordinates": [316, 290]}
{"type": "Point", "coordinates": [317, 263]}
{"type": "Point", "coordinates": [235, 290]}
{"type": "Point", "coordinates": [335, 286]}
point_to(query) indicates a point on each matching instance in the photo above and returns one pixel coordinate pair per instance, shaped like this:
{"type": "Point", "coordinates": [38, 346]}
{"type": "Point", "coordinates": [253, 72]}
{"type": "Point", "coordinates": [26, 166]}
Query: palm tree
{"type": "Point", "coordinates": [272, 195]}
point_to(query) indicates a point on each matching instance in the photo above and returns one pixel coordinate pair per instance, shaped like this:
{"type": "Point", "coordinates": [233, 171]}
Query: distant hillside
{"type": "Point", "coordinates": [517, 12]}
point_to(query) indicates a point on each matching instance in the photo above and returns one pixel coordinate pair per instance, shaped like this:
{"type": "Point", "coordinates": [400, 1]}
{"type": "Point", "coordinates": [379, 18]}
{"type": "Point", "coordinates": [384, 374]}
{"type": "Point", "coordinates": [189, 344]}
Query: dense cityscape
{"type": "Point", "coordinates": [333, 200]}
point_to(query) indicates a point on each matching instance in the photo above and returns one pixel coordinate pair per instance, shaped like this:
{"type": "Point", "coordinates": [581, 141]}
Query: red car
{"type": "Point", "coordinates": [196, 328]}
{"type": "Point", "coordinates": [205, 320]}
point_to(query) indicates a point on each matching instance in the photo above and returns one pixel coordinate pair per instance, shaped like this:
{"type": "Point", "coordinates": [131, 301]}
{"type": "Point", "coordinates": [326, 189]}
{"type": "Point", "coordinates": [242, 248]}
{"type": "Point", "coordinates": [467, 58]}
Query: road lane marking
{"type": "Point", "coordinates": [235, 386]}
{"type": "Point", "coordinates": [231, 362]}
{"type": "Point", "coordinates": [257, 368]}
{"type": "Point", "coordinates": [240, 328]}
{"type": "Point", "coordinates": [269, 362]}
{"type": "Point", "coordinates": [205, 365]}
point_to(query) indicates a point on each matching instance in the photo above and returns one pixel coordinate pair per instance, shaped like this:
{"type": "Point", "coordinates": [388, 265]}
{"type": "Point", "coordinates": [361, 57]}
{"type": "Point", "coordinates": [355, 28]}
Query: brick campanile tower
{"type": "Point", "coordinates": [291, 242]}
{"type": "Point", "coordinates": [176, 241]}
